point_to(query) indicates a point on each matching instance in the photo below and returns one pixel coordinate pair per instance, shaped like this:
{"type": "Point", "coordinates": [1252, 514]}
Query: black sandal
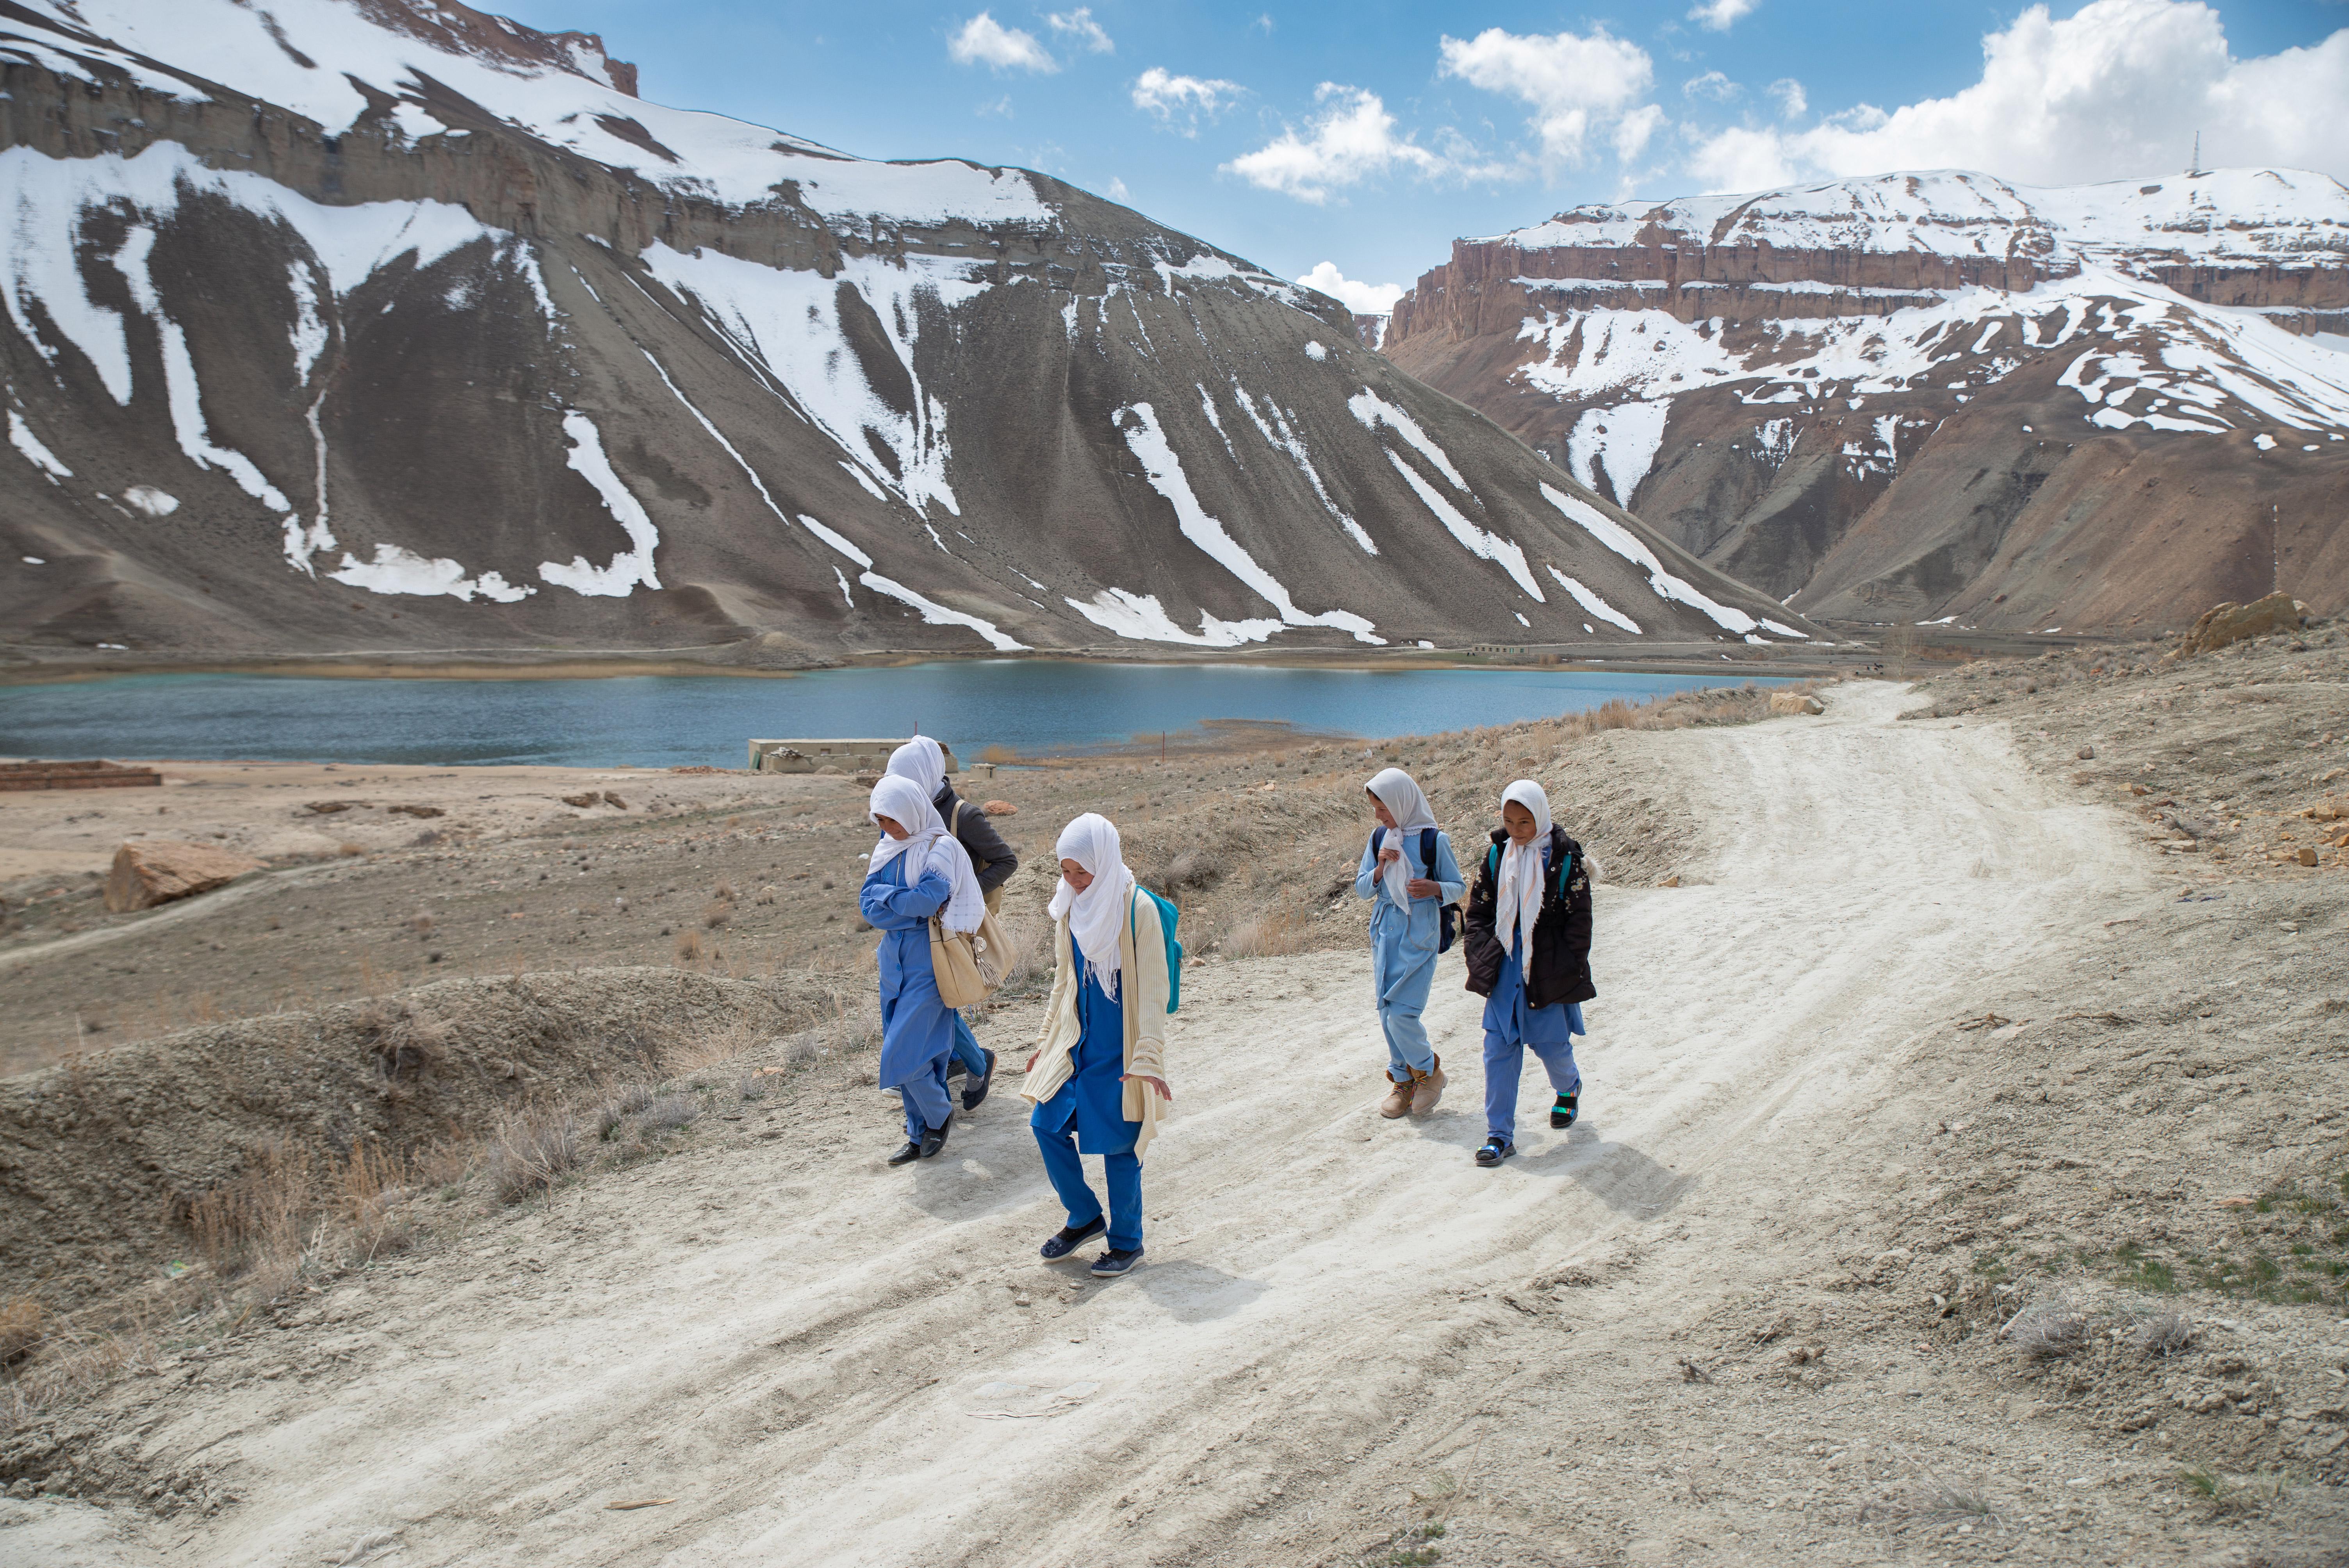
{"type": "Point", "coordinates": [1071, 1237]}
{"type": "Point", "coordinates": [1496, 1148]}
{"type": "Point", "coordinates": [1562, 1113]}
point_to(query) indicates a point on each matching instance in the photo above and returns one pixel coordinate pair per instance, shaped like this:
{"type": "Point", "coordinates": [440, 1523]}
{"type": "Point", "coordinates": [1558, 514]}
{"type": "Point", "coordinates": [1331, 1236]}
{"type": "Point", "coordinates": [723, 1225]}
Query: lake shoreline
{"type": "Point", "coordinates": [1788, 660]}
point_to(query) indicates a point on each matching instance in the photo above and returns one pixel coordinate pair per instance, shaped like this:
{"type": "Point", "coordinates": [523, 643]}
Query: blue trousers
{"type": "Point", "coordinates": [1505, 1062]}
{"type": "Point", "coordinates": [1399, 1016]}
{"type": "Point", "coordinates": [1068, 1176]}
{"type": "Point", "coordinates": [926, 1102]}
{"type": "Point", "coordinates": [966, 1048]}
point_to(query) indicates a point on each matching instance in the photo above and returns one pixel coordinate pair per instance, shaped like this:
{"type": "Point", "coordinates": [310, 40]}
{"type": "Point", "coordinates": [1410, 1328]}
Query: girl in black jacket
{"type": "Point", "coordinates": [1526, 937]}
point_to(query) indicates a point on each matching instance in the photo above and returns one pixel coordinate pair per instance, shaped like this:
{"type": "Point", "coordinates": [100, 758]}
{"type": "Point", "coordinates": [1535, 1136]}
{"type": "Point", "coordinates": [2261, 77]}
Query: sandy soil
{"type": "Point", "coordinates": [1923, 1039]}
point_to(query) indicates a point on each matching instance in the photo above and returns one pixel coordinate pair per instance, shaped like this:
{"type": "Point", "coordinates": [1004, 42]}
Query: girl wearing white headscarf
{"type": "Point", "coordinates": [1098, 1070]}
{"type": "Point", "coordinates": [924, 760]}
{"type": "Point", "coordinates": [916, 872]}
{"type": "Point", "coordinates": [1527, 936]}
{"type": "Point", "coordinates": [1408, 873]}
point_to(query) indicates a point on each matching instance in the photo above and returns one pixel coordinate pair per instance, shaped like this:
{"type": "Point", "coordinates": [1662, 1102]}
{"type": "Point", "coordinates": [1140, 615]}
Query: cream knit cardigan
{"type": "Point", "coordinates": [1142, 995]}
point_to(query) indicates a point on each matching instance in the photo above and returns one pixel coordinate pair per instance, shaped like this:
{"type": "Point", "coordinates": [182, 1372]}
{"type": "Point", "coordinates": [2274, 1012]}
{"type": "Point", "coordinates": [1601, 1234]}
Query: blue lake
{"type": "Point", "coordinates": [1031, 706]}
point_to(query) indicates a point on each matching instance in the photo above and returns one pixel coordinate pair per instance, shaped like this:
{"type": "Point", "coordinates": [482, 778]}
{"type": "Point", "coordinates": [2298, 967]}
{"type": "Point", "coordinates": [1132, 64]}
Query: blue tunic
{"type": "Point", "coordinates": [916, 1027]}
{"type": "Point", "coordinates": [1093, 1099]}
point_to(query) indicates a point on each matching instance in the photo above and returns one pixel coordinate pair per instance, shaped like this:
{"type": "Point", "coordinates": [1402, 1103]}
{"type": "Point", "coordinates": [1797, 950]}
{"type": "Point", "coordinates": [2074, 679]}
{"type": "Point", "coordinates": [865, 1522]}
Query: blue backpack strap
{"type": "Point", "coordinates": [1378, 841]}
{"type": "Point", "coordinates": [1428, 850]}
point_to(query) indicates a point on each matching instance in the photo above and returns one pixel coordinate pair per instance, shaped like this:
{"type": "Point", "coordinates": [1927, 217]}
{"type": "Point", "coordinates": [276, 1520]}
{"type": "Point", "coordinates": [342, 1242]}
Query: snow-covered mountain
{"type": "Point", "coordinates": [1937, 396]}
{"type": "Point", "coordinates": [386, 324]}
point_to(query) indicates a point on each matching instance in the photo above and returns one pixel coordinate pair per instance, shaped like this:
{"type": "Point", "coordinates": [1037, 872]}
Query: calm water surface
{"type": "Point", "coordinates": [1029, 705]}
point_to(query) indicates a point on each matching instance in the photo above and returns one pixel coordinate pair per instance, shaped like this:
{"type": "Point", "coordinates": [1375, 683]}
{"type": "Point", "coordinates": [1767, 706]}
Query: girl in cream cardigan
{"type": "Point", "coordinates": [1098, 1074]}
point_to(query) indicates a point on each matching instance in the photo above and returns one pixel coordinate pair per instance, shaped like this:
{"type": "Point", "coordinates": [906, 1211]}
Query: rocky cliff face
{"type": "Point", "coordinates": [386, 324]}
{"type": "Point", "coordinates": [1925, 397]}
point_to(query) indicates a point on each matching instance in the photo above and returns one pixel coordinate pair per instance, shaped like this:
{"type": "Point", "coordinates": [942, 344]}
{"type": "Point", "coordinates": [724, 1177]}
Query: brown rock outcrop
{"type": "Point", "coordinates": [2223, 624]}
{"type": "Point", "coordinates": [157, 871]}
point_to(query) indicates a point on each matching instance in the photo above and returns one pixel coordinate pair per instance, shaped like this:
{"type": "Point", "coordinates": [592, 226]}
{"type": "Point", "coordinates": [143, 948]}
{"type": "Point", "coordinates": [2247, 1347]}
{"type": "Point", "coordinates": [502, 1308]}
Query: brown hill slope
{"type": "Point", "coordinates": [372, 325]}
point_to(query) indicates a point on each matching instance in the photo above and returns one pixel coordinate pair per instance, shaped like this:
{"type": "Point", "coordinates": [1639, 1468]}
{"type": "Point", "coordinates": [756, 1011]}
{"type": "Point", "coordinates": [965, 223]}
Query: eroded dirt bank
{"type": "Point", "coordinates": [1931, 1063]}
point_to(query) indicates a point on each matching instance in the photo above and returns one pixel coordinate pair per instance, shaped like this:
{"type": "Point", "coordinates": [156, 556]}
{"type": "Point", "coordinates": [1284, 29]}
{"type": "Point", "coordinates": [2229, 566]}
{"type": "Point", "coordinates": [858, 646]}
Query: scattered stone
{"type": "Point", "coordinates": [328, 808]}
{"type": "Point", "coordinates": [614, 802]}
{"type": "Point", "coordinates": [590, 798]}
{"type": "Point", "coordinates": [1795, 702]}
{"type": "Point", "coordinates": [1000, 809]}
{"type": "Point", "coordinates": [418, 810]}
{"type": "Point", "coordinates": [2087, 753]}
{"type": "Point", "coordinates": [1672, 881]}
{"type": "Point", "coordinates": [2306, 856]}
{"type": "Point", "coordinates": [157, 871]}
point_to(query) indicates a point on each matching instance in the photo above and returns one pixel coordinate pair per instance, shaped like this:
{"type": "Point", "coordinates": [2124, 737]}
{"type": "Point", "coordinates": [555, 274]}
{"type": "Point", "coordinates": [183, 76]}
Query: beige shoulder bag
{"type": "Point", "coordinates": [970, 965]}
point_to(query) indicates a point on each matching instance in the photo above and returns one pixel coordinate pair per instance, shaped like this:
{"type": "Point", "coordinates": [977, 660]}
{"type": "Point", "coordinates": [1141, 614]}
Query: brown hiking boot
{"type": "Point", "coordinates": [1398, 1098]}
{"type": "Point", "coordinates": [1427, 1088]}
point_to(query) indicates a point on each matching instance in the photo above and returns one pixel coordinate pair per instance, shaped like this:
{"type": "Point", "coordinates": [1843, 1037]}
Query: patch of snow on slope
{"type": "Point", "coordinates": [149, 502]}
{"type": "Point", "coordinates": [1623, 542]}
{"type": "Point", "coordinates": [181, 390]}
{"type": "Point", "coordinates": [631, 566]}
{"type": "Point", "coordinates": [398, 571]}
{"type": "Point", "coordinates": [936, 614]}
{"type": "Point", "coordinates": [787, 324]}
{"type": "Point", "coordinates": [1594, 605]}
{"type": "Point", "coordinates": [1474, 540]}
{"type": "Point", "coordinates": [1208, 405]}
{"type": "Point", "coordinates": [1164, 470]}
{"type": "Point", "coordinates": [1623, 440]}
{"type": "Point", "coordinates": [21, 436]}
{"type": "Point", "coordinates": [1281, 436]}
{"type": "Point", "coordinates": [1770, 625]}
{"type": "Point", "coordinates": [1373, 411]}
{"type": "Point", "coordinates": [1139, 617]}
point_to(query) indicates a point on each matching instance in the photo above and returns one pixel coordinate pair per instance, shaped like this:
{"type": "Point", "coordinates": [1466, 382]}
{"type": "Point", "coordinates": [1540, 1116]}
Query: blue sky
{"type": "Point", "coordinates": [1368, 136]}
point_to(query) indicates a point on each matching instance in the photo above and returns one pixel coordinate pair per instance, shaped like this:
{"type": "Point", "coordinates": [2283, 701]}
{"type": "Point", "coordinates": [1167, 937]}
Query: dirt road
{"type": "Point", "coordinates": [823, 1361]}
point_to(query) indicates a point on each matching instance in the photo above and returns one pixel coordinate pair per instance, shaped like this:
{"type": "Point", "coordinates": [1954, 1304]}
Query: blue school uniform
{"type": "Point", "coordinates": [1511, 1028]}
{"type": "Point", "coordinates": [1404, 939]}
{"type": "Point", "coordinates": [1086, 1115]}
{"type": "Point", "coordinates": [917, 1029]}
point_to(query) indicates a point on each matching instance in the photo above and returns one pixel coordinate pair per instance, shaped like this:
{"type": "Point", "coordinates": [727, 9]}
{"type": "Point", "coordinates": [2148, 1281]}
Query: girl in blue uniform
{"type": "Point", "coordinates": [916, 871]}
{"type": "Point", "coordinates": [1408, 888]}
{"type": "Point", "coordinates": [1098, 1070]}
{"type": "Point", "coordinates": [1527, 935]}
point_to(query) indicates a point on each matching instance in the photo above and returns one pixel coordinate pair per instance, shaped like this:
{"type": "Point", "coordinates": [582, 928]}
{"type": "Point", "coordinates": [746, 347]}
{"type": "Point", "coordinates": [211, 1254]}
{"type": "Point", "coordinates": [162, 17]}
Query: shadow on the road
{"type": "Point", "coordinates": [990, 1164]}
{"type": "Point", "coordinates": [1617, 1174]}
{"type": "Point", "coordinates": [1195, 1292]}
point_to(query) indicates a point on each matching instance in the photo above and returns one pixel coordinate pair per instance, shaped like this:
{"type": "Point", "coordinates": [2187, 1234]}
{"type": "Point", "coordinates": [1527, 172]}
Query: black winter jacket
{"type": "Point", "coordinates": [1560, 970]}
{"type": "Point", "coordinates": [990, 857]}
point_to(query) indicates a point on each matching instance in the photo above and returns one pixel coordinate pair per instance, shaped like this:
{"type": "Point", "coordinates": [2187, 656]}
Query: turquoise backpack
{"type": "Point", "coordinates": [1167, 915]}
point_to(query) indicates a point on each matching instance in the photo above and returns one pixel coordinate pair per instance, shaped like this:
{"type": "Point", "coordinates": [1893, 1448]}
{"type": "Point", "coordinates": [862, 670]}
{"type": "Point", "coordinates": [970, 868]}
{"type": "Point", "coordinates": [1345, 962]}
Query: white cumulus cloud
{"type": "Point", "coordinates": [1351, 140]}
{"type": "Point", "coordinates": [1167, 96]}
{"type": "Point", "coordinates": [1078, 27]}
{"type": "Point", "coordinates": [983, 41]}
{"type": "Point", "coordinates": [1721, 14]}
{"type": "Point", "coordinates": [2115, 91]}
{"type": "Point", "coordinates": [1575, 85]}
{"type": "Point", "coordinates": [1361, 298]}
{"type": "Point", "coordinates": [1793, 102]}
{"type": "Point", "coordinates": [1714, 84]}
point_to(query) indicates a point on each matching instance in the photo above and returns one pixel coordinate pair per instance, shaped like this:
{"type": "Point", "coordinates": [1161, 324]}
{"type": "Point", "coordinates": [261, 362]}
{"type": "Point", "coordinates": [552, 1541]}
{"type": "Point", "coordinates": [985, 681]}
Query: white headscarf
{"type": "Point", "coordinates": [924, 761]}
{"type": "Point", "coordinates": [1400, 793]}
{"type": "Point", "coordinates": [1096, 915]}
{"type": "Point", "coordinates": [901, 800]}
{"type": "Point", "coordinates": [1517, 903]}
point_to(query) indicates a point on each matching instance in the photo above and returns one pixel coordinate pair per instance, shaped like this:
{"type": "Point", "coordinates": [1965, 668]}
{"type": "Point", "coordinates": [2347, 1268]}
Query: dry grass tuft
{"type": "Point", "coordinates": [533, 1153]}
{"type": "Point", "coordinates": [2048, 1329]}
{"type": "Point", "coordinates": [22, 1325]}
{"type": "Point", "coordinates": [689, 946]}
{"type": "Point", "coordinates": [1269, 935]}
{"type": "Point", "coordinates": [717, 914]}
{"type": "Point", "coordinates": [2165, 1335]}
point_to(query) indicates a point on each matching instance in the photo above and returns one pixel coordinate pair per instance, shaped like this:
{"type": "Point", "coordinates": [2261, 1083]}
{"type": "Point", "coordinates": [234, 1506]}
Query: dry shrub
{"type": "Point", "coordinates": [532, 1152]}
{"type": "Point", "coordinates": [2049, 1329]}
{"type": "Point", "coordinates": [717, 914]}
{"type": "Point", "coordinates": [71, 1366]}
{"type": "Point", "coordinates": [294, 1209]}
{"type": "Point", "coordinates": [669, 1113]}
{"type": "Point", "coordinates": [1272, 935]}
{"type": "Point", "coordinates": [421, 923]}
{"type": "Point", "coordinates": [723, 892]}
{"type": "Point", "coordinates": [257, 1219]}
{"type": "Point", "coordinates": [689, 946]}
{"type": "Point", "coordinates": [22, 1325]}
{"type": "Point", "coordinates": [2164, 1335]}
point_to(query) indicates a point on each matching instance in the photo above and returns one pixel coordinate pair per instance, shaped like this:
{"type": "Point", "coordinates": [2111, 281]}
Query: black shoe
{"type": "Point", "coordinates": [934, 1138]}
{"type": "Point", "coordinates": [975, 1090]}
{"type": "Point", "coordinates": [1116, 1262]}
{"type": "Point", "coordinates": [955, 1068]}
{"type": "Point", "coordinates": [1071, 1237]}
{"type": "Point", "coordinates": [1496, 1148]}
{"type": "Point", "coordinates": [1562, 1113]}
{"type": "Point", "coordinates": [907, 1155]}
